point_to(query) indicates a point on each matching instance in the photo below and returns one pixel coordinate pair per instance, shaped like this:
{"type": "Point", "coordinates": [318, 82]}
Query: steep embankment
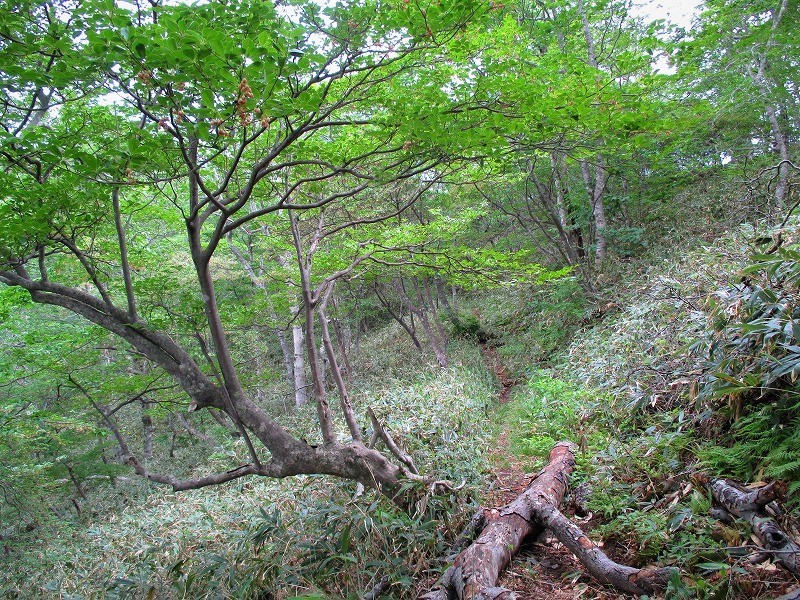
{"type": "Point", "coordinates": [624, 387]}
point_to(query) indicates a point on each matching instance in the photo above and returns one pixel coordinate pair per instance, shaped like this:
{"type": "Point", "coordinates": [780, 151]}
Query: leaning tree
{"type": "Point", "coordinates": [201, 120]}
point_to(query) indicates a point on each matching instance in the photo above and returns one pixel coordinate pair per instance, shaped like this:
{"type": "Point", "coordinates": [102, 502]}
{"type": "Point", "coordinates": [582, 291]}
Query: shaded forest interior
{"type": "Point", "coordinates": [439, 299]}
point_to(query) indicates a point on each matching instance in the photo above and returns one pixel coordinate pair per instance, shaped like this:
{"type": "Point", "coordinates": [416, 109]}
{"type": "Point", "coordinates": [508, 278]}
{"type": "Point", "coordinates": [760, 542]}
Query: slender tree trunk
{"type": "Point", "coordinates": [782, 183]}
{"type": "Point", "coordinates": [421, 311]}
{"type": "Point", "coordinates": [779, 135]}
{"type": "Point", "coordinates": [257, 279]}
{"type": "Point", "coordinates": [342, 331]}
{"type": "Point", "coordinates": [219, 417]}
{"type": "Point", "coordinates": [398, 316]}
{"type": "Point", "coordinates": [556, 215]}
{"type": "Point", "coordinates": [286, 352]}
{"type": "Point", "coordinates": [595, 189]}
{"type": "Point", "coordinates": [344, 399]}
{"type": "Point", "coordinates": [442, 294]}
{"type": "Point", "coordinates": [75, 481]}
{"type": "Point", "coordinates": [299, 365]}
{"type": "Point", "coordinates": [147, 434]}
{"type": "Point", "coordinates": [194, 432]}
{"type": "Point", "coordinates": [433, 330]}
{"type": "Point", "coordinates": [123, 255]}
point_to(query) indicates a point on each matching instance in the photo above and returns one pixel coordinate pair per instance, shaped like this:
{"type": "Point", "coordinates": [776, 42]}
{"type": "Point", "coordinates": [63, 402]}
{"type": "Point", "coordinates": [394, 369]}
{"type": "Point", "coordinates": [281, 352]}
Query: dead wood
{"type": "Point", "coordinates": [750, 505]}
{"type": "Point", "coordinates": [376, 592]}
{"type": "Point", "coordinates": [381, 432]}
{"type": "Point", "coordinates": [793, 595]}
{"type": "Point", "coordinates": [597, 563]}
{"type": "Point", "coordinates": [476, 570]}
{"type": "Point", "coordinates": [469, 533]}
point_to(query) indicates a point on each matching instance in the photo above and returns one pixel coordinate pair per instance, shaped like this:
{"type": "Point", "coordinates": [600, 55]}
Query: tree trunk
{"type": "Point", "coordinates": [343, 340]}
{"type": "Point", "coordinates": [344, 398]}
{"type": "Point", "coordinates": [442, 294]}
{"type": "Point", "coordinates": [750, 505]}
{"type": "Point", "coordinates": [421, 310]}
{"type": "Point", "coordinates": [299, 369]}
{"type": "Point", "coordinates": [286, 352]}
{"type": "Point", "coordinates": [779, 135]}
{"type": "Point", "coordinates": [595, 188]}
{"type": "Point", "coordinates": [147, 434]}
{"type": "Point", "coordinates": [477, 569]}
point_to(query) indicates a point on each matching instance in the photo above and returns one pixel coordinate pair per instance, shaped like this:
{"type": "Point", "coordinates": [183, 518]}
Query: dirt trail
{"type": "Point", "coordinates": [543, 569]}
{"type": "Point", "coordinates": [506, 382]}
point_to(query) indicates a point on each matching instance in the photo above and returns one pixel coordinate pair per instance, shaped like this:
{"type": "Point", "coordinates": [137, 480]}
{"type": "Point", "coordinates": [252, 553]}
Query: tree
{"type": "Point", "coordinates": [741, 58]}
{"type": "Point", "coordinates": [213, 115]}
{"type": "Point", "coordinates": [572, 93]}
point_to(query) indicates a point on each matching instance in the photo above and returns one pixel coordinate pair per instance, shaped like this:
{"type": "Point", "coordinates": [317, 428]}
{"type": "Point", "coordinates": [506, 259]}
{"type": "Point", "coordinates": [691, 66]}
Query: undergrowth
{"type": "Point", "coordinates": [634, 390]}
{"type": "Point", "coordinates": [301, 537]}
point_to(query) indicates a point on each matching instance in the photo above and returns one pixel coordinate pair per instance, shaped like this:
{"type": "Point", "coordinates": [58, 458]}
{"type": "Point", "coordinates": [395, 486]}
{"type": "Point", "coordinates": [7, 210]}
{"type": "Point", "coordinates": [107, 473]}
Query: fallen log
{"type": "Point", "coordinates": [750, 505]}
{"type": "Point", "coordinates": [377, 591]}
{"type": "Point", "coordinates": [598, 564]}
{"type": "Point", "coordinates": [476, 570]}
{"type": "Point", "coordinates": [793, 595]}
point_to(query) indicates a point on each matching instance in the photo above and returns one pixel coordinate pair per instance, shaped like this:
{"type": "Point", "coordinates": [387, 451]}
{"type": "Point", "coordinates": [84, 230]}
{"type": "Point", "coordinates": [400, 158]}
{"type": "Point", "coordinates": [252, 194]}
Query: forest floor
{"type": "Point", "coordinates": [620, 385]}
{"type": "Point", "coordinates": [543, 569]}
{"type": "Point", "coordinates": [617, 383]}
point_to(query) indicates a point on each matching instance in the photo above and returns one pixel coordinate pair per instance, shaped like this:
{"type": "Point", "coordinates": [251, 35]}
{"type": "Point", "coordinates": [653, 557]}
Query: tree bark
{"type": "Point", "coordinates": [343, 339]}
{"type": "Point", "coordinates": [595, 188]}
{"type": "Point", "coordinates": [477, 569]}
{"type": "Point", "coordinates": [750, 505]}
{"type": "Point", "coordinates": [344, 397]}
{"type": "Point", "coordinates": [780, 138]}
{"type": "Point", "coordinates": [299, 368]}
{"type": "Point", "coordinates": [147, 434]}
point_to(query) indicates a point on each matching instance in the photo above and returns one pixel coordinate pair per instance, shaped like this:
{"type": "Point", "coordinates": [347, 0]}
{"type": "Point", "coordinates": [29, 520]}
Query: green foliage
{"type": "Point", "coordinates": [754, 347]}
{"type": "Point", "coordinates": [753, 363]}
{"type": "Point", "coordinates": [300, 536]}
{"type": "Point", "coordinates": [648, 530]}
{"type": "Point", "coordinates": [551, 410]}
{"type": "Point", "coordinates": [532, 324]}
{"type": "Point", "coordinates": [468, 327]}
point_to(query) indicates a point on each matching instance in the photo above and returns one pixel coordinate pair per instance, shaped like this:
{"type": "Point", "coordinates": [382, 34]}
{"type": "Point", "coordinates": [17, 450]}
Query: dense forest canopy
{"type": "Point", "coordinates": [201, 204]}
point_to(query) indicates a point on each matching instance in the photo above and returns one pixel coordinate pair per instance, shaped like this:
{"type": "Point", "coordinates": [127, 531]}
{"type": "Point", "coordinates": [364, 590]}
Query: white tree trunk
{"type": "Point", "coordinates": [300, 384]}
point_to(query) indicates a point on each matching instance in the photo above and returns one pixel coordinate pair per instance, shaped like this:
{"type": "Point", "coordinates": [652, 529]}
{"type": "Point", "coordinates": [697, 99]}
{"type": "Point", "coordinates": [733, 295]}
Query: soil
{"type": "Point", "coordinates": [506, 382]}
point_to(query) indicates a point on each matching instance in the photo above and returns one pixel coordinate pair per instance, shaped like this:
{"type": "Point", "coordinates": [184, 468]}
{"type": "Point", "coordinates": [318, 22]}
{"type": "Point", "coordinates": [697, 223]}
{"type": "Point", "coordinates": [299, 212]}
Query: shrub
{"type": "Point", "coordinates": [752, 368]}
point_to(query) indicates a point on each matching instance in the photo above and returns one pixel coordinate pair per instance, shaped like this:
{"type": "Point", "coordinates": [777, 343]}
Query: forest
{"type": "Point", "coordinates": [415, 299]}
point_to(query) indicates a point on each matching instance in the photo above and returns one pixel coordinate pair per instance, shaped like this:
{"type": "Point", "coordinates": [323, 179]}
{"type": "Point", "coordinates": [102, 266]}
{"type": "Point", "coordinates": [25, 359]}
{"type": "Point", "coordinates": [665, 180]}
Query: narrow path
{"type": "Point", "coordinates": [543, 569]}
{"type": "Point", "coordinates": [493, 361]}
